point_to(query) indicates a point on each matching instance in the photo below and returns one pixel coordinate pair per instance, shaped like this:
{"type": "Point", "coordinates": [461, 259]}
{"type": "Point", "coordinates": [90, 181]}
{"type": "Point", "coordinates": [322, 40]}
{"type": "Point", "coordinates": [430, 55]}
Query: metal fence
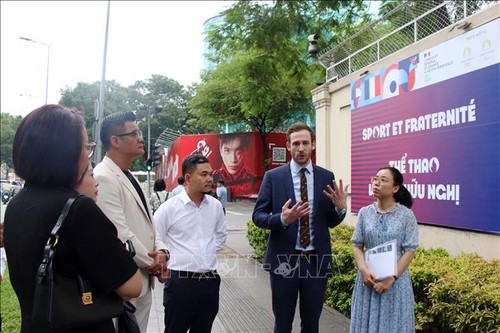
{"type": "Point", "coordinates": [406, 24]}
{"type": "Point", "coordinates": [167, 138]}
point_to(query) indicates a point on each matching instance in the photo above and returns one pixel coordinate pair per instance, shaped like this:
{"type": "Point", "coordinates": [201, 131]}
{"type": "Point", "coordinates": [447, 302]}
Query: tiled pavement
{"type": "Point", "coordinates": [245, 296]}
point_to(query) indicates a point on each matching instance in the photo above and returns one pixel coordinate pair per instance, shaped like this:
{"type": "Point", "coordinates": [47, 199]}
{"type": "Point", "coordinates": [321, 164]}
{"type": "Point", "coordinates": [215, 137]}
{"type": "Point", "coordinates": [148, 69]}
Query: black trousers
{"type": "Point", "coordinates": [191, 302]}
{"type": "Point", "coordinates": [305, 283]}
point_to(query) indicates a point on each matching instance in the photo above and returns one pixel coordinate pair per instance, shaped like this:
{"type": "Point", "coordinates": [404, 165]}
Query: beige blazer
{"type": "Point", "coordinates": [121, 203]}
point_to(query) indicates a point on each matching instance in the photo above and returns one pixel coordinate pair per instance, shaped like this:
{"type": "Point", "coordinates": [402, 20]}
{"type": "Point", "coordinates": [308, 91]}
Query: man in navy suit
{"type": "Point", "coordinates": [298, 202]}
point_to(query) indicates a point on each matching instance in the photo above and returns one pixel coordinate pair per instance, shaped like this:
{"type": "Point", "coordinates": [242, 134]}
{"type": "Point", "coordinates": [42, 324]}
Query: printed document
{"type": "Point", "coordinates": [382, 260]}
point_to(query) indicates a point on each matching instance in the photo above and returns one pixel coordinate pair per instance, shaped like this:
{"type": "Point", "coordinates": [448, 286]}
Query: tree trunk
{"type": "Point", "coordinates": [265, 149]}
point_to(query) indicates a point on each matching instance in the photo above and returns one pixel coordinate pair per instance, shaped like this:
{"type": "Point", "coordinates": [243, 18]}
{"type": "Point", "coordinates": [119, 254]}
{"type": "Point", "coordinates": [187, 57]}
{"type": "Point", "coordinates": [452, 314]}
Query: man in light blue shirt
{"type": "Point", "coordinates": [180, 186]}
{"type": "Point", "coordinates": [222, 194]}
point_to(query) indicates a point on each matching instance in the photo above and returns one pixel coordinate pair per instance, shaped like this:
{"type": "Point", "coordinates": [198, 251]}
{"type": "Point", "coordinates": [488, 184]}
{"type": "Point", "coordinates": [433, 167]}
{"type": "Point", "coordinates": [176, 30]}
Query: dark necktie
{"type": "Point", "coordinates": [305, 238]}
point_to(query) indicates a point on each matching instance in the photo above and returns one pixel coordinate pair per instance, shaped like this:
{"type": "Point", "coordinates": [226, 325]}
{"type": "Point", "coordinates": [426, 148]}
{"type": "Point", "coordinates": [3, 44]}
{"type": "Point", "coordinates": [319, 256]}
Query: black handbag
{"type": "Point", "coordinates": [63, 303]}
{"type": "Point", "coordinates": [127, 323]}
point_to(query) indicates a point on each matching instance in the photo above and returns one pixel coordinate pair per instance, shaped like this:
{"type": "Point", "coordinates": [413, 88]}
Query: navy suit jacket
{"type": "Point", "coordinates": [276, 189]}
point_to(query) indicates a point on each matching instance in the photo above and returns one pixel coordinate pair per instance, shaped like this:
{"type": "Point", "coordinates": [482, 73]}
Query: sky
{"type": "Point", "coordinates": [144, 38]}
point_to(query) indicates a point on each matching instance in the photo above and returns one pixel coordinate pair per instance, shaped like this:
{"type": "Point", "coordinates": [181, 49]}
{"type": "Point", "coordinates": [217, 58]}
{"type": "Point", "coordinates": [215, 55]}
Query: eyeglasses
{"type": "Point", "coordinates": [382, 180]}
{"type": "Point", "coordinates": [91, 149]}
{"type": "Point", "coordinates": [134, 133]}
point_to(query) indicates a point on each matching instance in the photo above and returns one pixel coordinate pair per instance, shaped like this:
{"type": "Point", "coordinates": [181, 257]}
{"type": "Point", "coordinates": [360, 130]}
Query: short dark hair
{"type": "Point", "coordinates": [159, 185]}
{"type": "Point", "coordinates": [297, 127]}
{"type": "Point", "coordinates": [191, 161]}
{"type": "Point", "coordinates": [112, 124]}
{"type": "Point", "coordinates": [227, 138]}
{"type": "Point", "coordinates": [180, 180]}
{"type": "Point", "coordinates": [221, 181]}
{"type": "Point", "coordinates": [48, 146]}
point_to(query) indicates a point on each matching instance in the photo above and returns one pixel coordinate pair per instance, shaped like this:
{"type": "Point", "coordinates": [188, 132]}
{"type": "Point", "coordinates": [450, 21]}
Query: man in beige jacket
{"type": "Point", "coordinates": [124, 203]}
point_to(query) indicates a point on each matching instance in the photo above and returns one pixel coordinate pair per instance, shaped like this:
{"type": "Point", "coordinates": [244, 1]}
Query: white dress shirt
{"type": "Point", "coordinates": [194, 235]}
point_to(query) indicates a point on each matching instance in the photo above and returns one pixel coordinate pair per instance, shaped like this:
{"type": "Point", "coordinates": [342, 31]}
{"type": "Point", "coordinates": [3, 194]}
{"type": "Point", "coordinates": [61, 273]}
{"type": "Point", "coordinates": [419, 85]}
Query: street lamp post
{"type": "Point", "coordinates": [48, 62]}
{"type": "Point", "coordinates": [149, 134]}
{"type": "Point", "coordinates": [100, 105]}
{"type": "Point", "coordinates": [148, 178]}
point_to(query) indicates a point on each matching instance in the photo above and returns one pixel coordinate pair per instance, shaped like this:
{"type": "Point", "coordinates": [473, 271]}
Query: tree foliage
{"type": "Point", "coordinates": [163, 99]}
{"type": "Point", "coordinates": [8, 128]}
{"type": "Point", "coordinates": [263, 76]}
{"type": "Point", "coordinates": [255, 88]}
{"type": "Point", "coordinates": [250, 24]}
{"type": "Point", "coordinates": [161, 93]}
{"type": "Point", "coordinates": [85, 96]}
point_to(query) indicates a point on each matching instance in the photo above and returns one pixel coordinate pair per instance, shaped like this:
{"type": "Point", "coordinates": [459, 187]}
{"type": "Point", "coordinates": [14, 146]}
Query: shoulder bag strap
{"type": "Point", "coordinates": [49, 249]}
{"type": "Point", "coordinates": [55, 231]}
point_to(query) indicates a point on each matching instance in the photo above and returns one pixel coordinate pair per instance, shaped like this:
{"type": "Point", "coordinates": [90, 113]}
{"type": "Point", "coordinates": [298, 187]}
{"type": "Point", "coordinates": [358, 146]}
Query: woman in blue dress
{"type": "Point", "coordinates": [385, 306]}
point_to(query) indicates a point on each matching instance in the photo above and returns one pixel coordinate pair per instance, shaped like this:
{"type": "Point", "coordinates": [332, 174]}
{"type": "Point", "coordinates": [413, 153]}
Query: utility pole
{"type": "Point", "coordinates": [48, 62]}
{"type": "Point", "coordinates": [100, 111]}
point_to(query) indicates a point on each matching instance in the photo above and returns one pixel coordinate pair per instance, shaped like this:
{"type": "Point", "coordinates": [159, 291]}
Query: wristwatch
{"type": "Point", "coordinates": [166, 253]}
{"type": "Point", "coordinates": [343, 211]}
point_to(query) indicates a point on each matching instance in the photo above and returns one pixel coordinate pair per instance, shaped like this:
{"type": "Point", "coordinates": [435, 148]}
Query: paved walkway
{"type": "Point", "coordinates": [245, 295]}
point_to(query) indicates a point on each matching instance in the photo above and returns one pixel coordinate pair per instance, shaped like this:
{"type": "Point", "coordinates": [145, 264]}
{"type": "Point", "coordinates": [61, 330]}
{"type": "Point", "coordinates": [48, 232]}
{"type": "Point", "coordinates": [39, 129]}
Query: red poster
{"type": "Point", "coordinates": [237, 158]}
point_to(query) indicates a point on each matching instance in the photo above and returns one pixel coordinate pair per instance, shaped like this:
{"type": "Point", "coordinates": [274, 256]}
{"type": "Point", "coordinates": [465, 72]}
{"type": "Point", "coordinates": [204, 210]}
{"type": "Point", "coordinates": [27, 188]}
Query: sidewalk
{"type": "Point", "coordinates": [245, 295]}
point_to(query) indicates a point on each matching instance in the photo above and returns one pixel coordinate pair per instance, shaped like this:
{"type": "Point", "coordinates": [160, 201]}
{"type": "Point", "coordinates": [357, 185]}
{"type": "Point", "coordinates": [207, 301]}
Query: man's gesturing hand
{"type": "Point", "coordinates": [291, 215]}
{"type": "Point", "coordinates": [337, 194]}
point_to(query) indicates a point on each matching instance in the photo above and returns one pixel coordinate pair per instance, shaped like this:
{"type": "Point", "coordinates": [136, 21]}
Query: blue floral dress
{"type": "Point", "coordinates": [392, 311]}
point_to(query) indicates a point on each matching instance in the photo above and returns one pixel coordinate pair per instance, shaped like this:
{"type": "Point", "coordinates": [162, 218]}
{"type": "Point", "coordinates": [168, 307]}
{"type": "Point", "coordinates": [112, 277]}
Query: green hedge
{"type": "Point", "coordinates": [341, 283]}
{"type": "Point", "coordinates": [257, 238]}
{"type": "Point", "coordinates": [452, 294]}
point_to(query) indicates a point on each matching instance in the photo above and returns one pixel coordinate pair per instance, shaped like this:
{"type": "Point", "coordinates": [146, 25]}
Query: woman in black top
{"type": "Point", "coordinates": [50, 154]}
